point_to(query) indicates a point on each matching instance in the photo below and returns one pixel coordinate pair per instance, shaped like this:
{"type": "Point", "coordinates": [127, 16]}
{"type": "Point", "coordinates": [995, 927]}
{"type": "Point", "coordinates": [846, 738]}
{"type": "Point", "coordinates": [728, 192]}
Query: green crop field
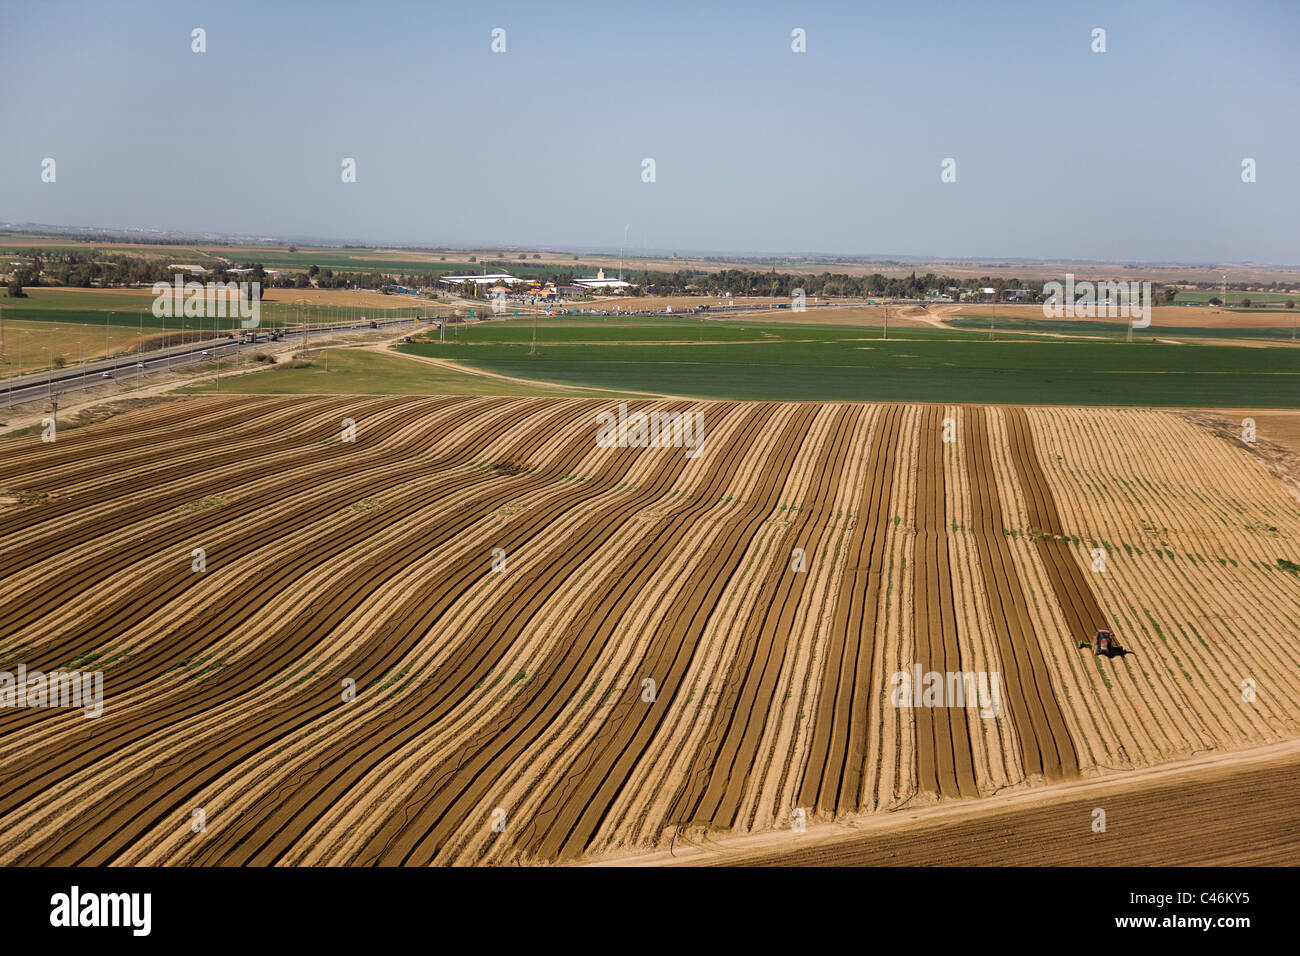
{"type": "Point", "coordinates": [1118, 329]}
{"type": "Point", "coordinates": [614, 330]}
{"type": "Point", "coordinates": [345, 371]}
{"type": "Point", "coordinates": [134, 309]}
{"type": "Point", "coordinates": [836, 363]}
{"type": "Point", "coordinates": [1202, 296]}
{"type": "Point", "coordinates": [279, 257]}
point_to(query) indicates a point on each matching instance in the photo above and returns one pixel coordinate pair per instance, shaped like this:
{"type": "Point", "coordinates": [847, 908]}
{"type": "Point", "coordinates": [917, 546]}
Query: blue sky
{"type": "Point", "coordinates": [1130, 155]}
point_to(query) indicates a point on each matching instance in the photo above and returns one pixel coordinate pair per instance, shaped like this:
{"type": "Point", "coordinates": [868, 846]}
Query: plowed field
{"type": "Point", "coordinates": [461, 631]}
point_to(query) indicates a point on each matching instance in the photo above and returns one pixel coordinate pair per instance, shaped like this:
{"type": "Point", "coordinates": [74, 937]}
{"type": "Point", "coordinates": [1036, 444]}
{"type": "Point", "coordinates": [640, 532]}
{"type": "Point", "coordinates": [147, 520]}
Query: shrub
{"type": "Point", "coordinates": [512, 467]}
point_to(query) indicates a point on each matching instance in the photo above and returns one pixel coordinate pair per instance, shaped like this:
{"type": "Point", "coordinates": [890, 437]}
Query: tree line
{"type": "Point", "coordinates": [86, 268]}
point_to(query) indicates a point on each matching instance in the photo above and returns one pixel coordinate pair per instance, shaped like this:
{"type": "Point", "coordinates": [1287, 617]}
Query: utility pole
{"type": "Point", "coordinates": [886, 319]}
{"type": "Point", "coordinates": [533, 350]}
{"type": "Point", "coordinates": [994, 317]}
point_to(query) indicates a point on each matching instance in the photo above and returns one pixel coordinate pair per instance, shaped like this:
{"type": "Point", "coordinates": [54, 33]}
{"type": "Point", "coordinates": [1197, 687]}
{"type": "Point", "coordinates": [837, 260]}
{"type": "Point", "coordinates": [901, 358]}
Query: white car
{"type": "Point", "coordinates": [139, 364]}
{"type": "Point", "coordinates": [106, 375]}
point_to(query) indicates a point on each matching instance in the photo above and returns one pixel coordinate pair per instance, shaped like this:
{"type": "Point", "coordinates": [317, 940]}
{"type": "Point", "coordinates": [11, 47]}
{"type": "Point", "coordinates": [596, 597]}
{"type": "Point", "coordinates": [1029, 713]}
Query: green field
{"type": "Point", "coordinates": [347, 371]}
{"type": "Point", "coordinates": [1118, 329]}
{"type": "Point", "coordinates": [1202, 296]}
{"type": "Point", "coordinates": [77, 324]}
{"type": "Point", "coordinates": [134, 310]}
{"type": "Point", "coordinates": [837, 363]}
{"type": "Point", "coordinates": [339, 260]}
{"type": "Point", "coordinates": [613, 330]}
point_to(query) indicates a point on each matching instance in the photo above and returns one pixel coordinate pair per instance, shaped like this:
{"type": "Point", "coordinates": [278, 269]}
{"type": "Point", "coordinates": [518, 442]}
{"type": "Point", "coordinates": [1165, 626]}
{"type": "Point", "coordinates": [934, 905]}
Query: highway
{"type": "Point", "coordinates": [18, 389]}
{"type": "Point", "coordinates": [122, 367]}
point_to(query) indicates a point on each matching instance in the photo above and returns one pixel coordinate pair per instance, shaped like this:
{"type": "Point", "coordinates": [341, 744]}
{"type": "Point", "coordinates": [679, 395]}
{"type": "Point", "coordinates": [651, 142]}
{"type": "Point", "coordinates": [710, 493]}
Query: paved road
{"type": "Point", "coordinates": [88, 374]}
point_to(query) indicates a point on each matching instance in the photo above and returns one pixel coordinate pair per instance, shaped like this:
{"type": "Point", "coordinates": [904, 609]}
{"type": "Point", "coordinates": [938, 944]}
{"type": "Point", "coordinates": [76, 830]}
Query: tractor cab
{"type": "Point", "coordinates": [1103, 642]}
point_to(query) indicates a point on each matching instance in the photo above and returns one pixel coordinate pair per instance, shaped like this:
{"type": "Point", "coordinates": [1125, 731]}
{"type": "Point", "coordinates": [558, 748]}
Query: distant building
{"type": "Point", "coordinates": [490, 278]}
{"type": "Point", "coordinates": [600, 282]}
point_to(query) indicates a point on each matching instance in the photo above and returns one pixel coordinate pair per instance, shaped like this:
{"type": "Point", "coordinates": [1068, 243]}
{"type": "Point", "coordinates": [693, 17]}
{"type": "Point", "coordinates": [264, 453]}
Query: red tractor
{"type": "Point", "coordinates": [1103, 642]}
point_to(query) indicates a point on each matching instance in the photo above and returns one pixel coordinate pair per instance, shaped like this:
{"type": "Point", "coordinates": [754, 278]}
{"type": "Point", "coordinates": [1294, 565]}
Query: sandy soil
{"type": "Point", "coordinates": [337, 297]}
{"type": "Point", "coordinates": [1277, 438]}
{"type": "Point", "coordinates": [996, 831]}
{"type": "Point", "coordinates": [368, 561]}
{"type": "Point", "coordinates": [1279, 426]}
{"type": "Point", "coordinates": [351, 297]}
{"type": "Point", "coordinates": [1162, 316]}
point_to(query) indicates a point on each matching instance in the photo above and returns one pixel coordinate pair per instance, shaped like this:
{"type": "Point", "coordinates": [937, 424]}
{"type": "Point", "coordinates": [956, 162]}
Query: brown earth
{"type": "Point", "coordinates": [1162, 316]}
{"type": "Point", "coordinates": [1235, 810]}
{"type": "Point", "coordinates": [650, 666]}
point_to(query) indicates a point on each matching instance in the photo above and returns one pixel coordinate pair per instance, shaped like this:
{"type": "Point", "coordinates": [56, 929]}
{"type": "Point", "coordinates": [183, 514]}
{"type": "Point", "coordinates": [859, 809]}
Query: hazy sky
{"type": "Point", "coordinates": [1131, 154]}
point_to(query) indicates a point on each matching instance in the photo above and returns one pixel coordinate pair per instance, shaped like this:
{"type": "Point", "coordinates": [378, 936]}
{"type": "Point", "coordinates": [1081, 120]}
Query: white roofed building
{"type": "Point", "coordinates": [600, 282]}
{"type": "Point", "coordinates": [494, 278]}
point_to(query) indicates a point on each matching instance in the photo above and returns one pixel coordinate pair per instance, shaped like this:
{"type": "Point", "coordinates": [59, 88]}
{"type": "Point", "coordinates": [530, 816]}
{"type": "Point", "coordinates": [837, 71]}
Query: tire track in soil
{"type": "Point", "coordinates": [832, 776]}
{"type": "Point", "coordinates": [1045, 743]}
{"type": "Point", "coordinates": [289, 449]}
{"type": "Point", "coordinates": [144, 596]}
{"type": "Point", "coordinates": [417, 838]}
{"type": "Point", "coordinates": [146, 430]}
{"type": "Point", "coordinates": [1078, 603]}
{"type": "Point", "coordinates": [126, 483]}
{"type": "Point", "coordinates": [672, 743]}
{"type": "Point", "coordinates": [721, 768]}
{"type": "Point", "coordinates": [106, 829]}
{"type": "Point", "coordinates": [313, 471]}
{"type": "Point", "coordinates": [945, 753]}
{"type": "Point", "coordinates": [289, 640]}
{"type": "Point", "coordinates": [571, 816]}
{"type": "Point", "coordinates": [380, 737]}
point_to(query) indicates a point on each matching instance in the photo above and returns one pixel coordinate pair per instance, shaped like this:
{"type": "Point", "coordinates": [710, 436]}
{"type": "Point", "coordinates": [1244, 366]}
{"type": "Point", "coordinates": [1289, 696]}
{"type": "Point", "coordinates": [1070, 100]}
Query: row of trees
{"type": "Point", "coordinates": [86, 268]}
{"type": "Point", "coordinates": [1246, 302]}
